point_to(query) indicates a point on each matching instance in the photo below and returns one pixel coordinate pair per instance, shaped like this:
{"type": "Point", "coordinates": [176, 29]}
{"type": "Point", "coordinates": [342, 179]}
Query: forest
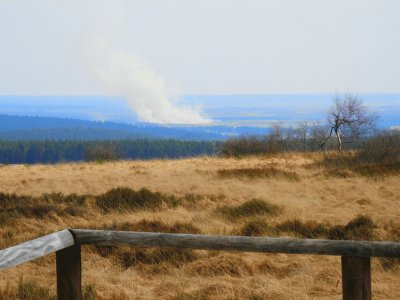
{"type": "Point", "coordinates": [30, 152]}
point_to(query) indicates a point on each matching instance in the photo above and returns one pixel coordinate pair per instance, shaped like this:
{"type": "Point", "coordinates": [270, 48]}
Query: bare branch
{"type": "Point", "coordinates": [349, 117]}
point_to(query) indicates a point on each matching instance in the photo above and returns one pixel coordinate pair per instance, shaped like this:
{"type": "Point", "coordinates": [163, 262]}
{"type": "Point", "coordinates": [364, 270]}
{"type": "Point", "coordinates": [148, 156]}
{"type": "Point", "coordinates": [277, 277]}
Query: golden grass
{"type": "Point", "coordinates": [257, 172]}
{"type": "Point", "coordinates": [197, 191]}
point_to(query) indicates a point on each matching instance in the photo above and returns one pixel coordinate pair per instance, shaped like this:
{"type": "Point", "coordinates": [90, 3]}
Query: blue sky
{"type": "Point", "coordinates": [153, 53]}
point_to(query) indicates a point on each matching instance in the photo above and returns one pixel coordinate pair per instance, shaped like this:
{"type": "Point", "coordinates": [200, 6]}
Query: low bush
{"type": "Point", "coordinates": [123, 199]}
{"type": "Point", "coordinates": [309, 229]}
{"type": "Point", "coordinates": [14, 206]}
{"type": "Point", "coordinates": [383, 148]}
{"type": "Point", "coordinates": [250, 145]}
{"type": "Point", "coordinates": [257, 228]}
{"type": "Point", "coordinates": [377, 156]}
{"type": "Point", "coordinates": [359, 228]}
{"type": "Point", "coordinates": [253, 207]}
{"type": "Point", "coordinates": [377, 169]}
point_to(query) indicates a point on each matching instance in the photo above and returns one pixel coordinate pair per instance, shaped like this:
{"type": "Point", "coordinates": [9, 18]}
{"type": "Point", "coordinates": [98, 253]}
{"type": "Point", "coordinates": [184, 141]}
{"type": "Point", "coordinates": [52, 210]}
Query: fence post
{"type": "Point", "coordinates": [68, 263]}
{"type": "Point", "coordinates": [356, 278]}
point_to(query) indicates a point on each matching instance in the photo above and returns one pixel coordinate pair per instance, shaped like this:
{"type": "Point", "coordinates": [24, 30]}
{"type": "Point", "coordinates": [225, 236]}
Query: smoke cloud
{"type": "Point", "coordinates": [146, 92]}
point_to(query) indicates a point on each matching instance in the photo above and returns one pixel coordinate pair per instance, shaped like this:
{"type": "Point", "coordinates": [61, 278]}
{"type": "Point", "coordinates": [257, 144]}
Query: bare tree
{"type": "Point", "coordinates": [350, 117]}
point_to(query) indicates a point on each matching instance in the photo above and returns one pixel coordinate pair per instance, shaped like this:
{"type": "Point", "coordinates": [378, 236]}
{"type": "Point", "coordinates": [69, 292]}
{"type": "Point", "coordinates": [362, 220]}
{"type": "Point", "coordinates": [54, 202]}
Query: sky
{"type": "Point", "coordinates": [154, 52]}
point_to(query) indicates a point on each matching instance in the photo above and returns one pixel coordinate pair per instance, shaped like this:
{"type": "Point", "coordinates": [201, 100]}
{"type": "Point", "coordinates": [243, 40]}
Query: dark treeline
{"type": "Point", "coordinates": [25, 128]}
{"type": "Point", "coordinates": [13, 152]}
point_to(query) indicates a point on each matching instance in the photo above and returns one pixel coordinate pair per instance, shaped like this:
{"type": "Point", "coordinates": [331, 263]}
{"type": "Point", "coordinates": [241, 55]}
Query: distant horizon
{"type": "Point", "coordinates": [256, 110]}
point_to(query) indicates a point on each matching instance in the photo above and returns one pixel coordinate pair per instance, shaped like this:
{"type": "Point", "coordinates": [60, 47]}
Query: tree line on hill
{"type": "Point", "coordinates": [350, 126]}
{"type": "Point", "coordinates": [28, 128]}
{"type": "Point", "coordinates": [30, 152]}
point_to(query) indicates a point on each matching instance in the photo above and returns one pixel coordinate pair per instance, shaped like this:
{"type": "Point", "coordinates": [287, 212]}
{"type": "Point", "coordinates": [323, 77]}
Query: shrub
{"type": "Point", "coordinates": [9, 201]}
{"type": "Point", "coordinates": [121, 199]}
{"type": "Point", "coordinates": [253, 207]}
{"type": "Point", "coordinates": [359, 228]}
{"type": "Point", "coordinates": [256, 228]}
{"type": "Point", "coordinates": [377, 169]}
{"type": "Point", "coordinates": [382, 148]}
{"type": "Point", "coordinates": [246, 145]}
{"type": "Point", "coordinates": [309, 229]}
{"type": "Point", "coordinates": [378, 156]}
{"type": "Point", "coordinates": [14, 206]}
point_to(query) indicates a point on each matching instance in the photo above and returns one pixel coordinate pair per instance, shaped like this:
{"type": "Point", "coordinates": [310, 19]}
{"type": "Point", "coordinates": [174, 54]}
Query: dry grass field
{"type": "Point", "coordinates": [286, 195]}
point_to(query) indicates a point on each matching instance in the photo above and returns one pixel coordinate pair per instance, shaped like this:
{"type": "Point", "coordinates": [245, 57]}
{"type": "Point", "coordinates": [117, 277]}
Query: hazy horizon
{"type": "Point", "coordinates": [231, 110]}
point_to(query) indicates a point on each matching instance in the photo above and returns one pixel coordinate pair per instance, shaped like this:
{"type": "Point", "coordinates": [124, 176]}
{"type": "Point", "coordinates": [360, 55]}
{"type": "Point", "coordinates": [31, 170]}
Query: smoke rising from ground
{"type": "Point", "coordinates": [146, 93]}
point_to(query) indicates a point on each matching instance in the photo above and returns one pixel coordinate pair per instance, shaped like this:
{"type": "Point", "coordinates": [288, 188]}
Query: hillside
{"type": "Point", "coordinates": [286, 195]}
{"type": "Point", "coordinates": [38, 128]}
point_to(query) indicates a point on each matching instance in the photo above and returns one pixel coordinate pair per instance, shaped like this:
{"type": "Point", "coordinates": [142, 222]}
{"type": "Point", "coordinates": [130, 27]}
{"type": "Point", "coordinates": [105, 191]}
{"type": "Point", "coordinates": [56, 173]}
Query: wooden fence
{"type": "Point", "coordinates": [355, 255]}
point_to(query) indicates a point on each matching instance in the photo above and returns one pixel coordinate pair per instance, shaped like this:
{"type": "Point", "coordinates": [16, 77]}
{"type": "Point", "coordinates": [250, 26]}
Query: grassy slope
{"type": "Point", "coordinates": [200, 190]}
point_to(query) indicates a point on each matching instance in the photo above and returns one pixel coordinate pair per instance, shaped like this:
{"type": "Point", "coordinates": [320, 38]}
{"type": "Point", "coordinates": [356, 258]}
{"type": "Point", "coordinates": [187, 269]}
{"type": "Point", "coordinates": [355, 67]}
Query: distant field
{"type": "Point", "coordinates": [286, 195]}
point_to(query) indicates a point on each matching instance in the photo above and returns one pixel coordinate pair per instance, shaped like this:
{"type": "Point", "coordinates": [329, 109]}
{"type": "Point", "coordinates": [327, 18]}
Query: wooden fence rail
{"type": "Point", "coordinates": [355, 255]}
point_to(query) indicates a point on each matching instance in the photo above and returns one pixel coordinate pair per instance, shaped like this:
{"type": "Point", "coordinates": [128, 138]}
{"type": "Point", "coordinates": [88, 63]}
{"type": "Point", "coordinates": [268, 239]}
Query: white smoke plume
{"type": "Point", "coordinates": [128, 75]}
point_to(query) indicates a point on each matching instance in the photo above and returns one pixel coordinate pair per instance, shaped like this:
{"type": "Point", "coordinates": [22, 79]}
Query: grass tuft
{"type": "Point", "coordinates": [309, 229]}
{"type": "Point", "coordinates": [174, 257]}
{"type": "Point", "coordinates": [251, 208]}
{"type": "Point", "coordinates": [26, 290]}
{"type": "Point", "coordinates": [360, 228]}
{"type": "Point", "coordinates": [222, 265]}
{"type": "Point", "coordinates": [122, 199]}
{"type": "Point", "coordinates": [257, 228]}
{"type": "Point", "coordinates": [268, 266]}
{"type": "Point", "coordinates": [258, 172]}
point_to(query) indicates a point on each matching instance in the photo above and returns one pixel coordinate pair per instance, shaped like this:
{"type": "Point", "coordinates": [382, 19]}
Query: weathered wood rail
{"type": "Point", "coordinates": [355, 255]}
